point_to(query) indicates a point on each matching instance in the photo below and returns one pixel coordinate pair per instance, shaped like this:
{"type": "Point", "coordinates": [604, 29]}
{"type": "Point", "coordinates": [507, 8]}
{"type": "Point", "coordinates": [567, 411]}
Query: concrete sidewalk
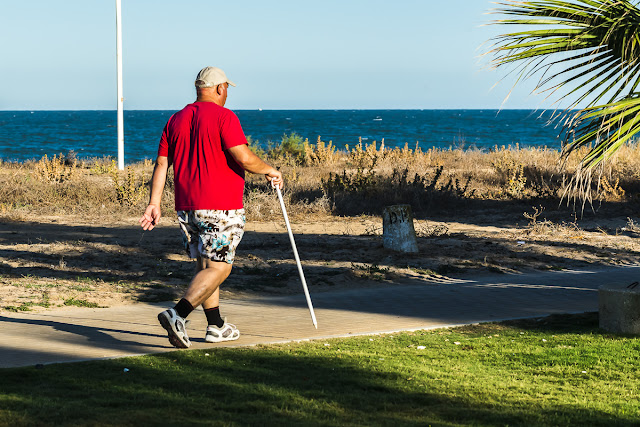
{"type": "Point", "coordinates": [81, 334]}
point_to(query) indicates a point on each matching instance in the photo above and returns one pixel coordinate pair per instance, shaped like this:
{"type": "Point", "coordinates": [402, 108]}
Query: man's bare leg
{"type": "Point", "coordinates": [211, 306]}
{"type": "Point", "coordinates": [214, 300]}
{"type": "Point", "coordinates": [204, 287]}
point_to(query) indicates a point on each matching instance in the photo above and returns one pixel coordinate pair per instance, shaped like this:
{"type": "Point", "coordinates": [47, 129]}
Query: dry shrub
{"type": "Point", "coordinates": [59, 186]}
{"type": "Point", "coordinates": [55, 170]}
{"type": "Point", "coordinates": [511, 175]}
{"type": "Point", "coordinates": [321, 180]}
{"type": "Point", "coordinates": [405, 156]}
{"type": "Point", "coordinates": [130, 191]}
{"type": "Point", "coordinates": [103, 166]}
{"type": "Point", "coordinates": [320, 154]}
{"type": "Point", "coordinates": [79, 194]}
{"type": "Point", "coordinates": [538, 226]}
{"type": "Point", "coordinates": [369, 156]}
{"type": "Point", "coordinates": [367, 191]}
{"type": "Point", "coordinates": [364, 158]}
{"type": "Point", "coordinates": [261, 201]}
{"type": "Point", "coordinates": [547, 228]}
{"type": "Point", "coordinates": [611, 192]}
{"type": "Point", "coordinates": [620, 177]}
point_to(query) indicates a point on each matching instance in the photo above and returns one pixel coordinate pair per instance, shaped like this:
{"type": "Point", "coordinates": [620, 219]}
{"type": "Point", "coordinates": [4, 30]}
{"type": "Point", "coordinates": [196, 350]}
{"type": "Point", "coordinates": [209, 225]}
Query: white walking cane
{"type": "Point", "coordinates": [295, 253]}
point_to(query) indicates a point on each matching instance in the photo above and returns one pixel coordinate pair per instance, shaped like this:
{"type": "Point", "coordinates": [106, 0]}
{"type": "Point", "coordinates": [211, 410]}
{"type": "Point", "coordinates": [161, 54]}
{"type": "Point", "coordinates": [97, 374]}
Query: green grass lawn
{"type": "Point", "coordinates": [559, 370]}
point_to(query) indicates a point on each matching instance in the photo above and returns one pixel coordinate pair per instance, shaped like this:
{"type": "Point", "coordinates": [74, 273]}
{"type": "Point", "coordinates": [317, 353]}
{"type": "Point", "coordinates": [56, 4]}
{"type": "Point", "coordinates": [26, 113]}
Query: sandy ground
{"type": "Point", "coordinates": [64, 261]}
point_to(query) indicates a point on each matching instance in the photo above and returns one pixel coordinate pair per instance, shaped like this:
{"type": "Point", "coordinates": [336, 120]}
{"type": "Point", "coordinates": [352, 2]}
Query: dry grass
{"type": "Point", "coordinates": [365, 178]}
{"type": "Point", "coordinates": [324, 181]}
{"type": "Point", "coordinates": [88, 188]}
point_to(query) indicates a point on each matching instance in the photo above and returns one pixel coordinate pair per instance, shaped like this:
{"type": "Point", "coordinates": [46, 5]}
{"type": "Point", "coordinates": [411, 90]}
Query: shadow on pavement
{"type": "Point", "coordinates": [74, 335]}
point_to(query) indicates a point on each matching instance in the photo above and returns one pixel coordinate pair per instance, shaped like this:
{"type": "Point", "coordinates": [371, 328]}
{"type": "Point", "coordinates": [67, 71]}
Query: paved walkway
{"type": "Point", "coordinates": [81, 334]}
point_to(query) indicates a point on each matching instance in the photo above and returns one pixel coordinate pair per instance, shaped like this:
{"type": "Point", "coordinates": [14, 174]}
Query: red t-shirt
{"type": "Point", "coordinates": [196, 140]}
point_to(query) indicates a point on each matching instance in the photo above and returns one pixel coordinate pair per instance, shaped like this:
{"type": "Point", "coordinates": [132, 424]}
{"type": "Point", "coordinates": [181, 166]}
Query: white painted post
{"type": "Point", "coordinates": [398, 233]}
{"type": "Point", "coordinates": [120, 95]}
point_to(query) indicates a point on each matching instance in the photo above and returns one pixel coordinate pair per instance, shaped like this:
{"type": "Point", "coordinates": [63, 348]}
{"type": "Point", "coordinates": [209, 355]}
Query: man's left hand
{"type": "Point", "coordinates": [275, 178]}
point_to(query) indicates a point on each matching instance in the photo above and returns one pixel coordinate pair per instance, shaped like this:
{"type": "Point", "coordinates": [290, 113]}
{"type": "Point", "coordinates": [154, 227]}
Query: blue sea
{"type": "Point", "coordinates": [26, 135]}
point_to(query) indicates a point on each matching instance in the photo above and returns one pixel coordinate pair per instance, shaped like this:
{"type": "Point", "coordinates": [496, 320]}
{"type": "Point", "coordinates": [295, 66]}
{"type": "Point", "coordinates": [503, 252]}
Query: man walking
{"type": "Point", "coordinates": [208, 150]}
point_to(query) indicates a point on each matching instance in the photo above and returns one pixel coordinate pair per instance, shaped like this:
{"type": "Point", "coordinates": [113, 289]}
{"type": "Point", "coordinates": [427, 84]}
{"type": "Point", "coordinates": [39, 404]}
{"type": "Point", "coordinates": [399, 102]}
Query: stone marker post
{"type": "Point", "coordinates": [619, 308]}
{"type": "Point", "coordinates": [398, 232]}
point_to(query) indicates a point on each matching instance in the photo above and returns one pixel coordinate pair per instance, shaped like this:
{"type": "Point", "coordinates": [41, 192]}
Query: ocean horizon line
{"type": "Point", "coordinates": [301, 109]}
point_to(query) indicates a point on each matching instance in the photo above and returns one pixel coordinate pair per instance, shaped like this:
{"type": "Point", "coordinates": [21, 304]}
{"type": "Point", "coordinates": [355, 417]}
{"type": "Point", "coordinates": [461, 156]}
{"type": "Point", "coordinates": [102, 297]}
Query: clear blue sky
{"type": "Point", "coordinates": [283, 54]}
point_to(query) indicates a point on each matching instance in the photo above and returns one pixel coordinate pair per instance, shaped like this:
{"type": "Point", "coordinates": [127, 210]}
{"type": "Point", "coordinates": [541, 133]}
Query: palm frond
{"type": "Point", "coordinates": [598, 42]}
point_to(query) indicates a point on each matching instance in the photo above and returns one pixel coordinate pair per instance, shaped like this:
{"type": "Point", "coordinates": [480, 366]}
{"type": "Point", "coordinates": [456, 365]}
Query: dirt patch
{"type": "Point", "coordinates": [70, 261]}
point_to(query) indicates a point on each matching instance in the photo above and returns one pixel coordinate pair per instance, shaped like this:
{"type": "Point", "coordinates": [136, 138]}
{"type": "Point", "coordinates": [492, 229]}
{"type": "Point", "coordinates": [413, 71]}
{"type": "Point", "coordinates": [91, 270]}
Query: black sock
{"type": "Point", "coordinates": [183, 308]}
{"type": "Point", "coordinates": [213, 317]}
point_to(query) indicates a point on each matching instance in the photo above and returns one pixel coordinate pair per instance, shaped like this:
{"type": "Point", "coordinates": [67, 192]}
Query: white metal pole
{"type": "Point", "coordinates": [120, 94]}
{"type": "Point", "coordinates": [295, 253]}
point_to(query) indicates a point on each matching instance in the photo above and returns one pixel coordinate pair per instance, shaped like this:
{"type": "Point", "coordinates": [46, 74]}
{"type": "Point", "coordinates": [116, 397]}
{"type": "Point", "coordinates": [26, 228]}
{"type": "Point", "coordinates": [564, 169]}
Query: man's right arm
{"type": "Point", "coordinates": [152, 214]}
{"type": "Point", "coordinates": [254, 164]}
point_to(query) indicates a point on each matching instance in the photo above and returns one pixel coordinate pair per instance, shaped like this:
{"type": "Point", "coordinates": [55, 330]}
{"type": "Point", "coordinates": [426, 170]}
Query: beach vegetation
{"type": "Point", "coordinates": [585, 53]}
{"type": "Point", "coordinates": [290, 149]}
{"type": "Point", "coordinates": [56, 170]}
{"type": "Point", "coordinates": [80, 303]}
{"type": "Point", "coordinates": [538, 225]}
{"type": "Point", "coordinates": [130, 190]}
{"type": "Point", "coordinates": [370, 271]}
{"type": "Point", "coordinates": [422, 271]}
{"type": "Point", "coordinates": [326, 181]}
{"type": "Point", "coordinates": [104, 166]}
{"type": "Point", "coordinates": [365, 157]}
{"type": "Point", "coordinates": [321, 153]}
{"type": "Point", "coordinates": [611, 191]}
{"type": "Point", "coordinates": [21, 307]}
{"type": "Point", "coordinates": [254, 145]}
{"type": "Point", "coordinates": [362, 185]}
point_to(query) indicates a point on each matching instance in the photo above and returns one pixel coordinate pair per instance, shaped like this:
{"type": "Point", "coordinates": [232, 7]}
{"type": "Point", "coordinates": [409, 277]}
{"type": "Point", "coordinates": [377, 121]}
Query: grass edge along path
{"type": "Point", "coordinates": [558, 370]}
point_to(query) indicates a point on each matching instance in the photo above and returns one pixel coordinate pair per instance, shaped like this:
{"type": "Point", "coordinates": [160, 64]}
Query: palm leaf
{"type": "Point", "coordinates": [603, 35]}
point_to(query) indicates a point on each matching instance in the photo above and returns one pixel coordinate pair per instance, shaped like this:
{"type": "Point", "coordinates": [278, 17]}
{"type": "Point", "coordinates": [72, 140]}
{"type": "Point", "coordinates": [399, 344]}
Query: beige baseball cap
{"type": "Point", "coordinates": [212, 77]}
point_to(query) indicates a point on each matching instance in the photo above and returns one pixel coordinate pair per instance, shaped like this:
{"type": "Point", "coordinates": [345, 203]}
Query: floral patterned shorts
{"type": "Point", "coordinates": [212, 234]}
